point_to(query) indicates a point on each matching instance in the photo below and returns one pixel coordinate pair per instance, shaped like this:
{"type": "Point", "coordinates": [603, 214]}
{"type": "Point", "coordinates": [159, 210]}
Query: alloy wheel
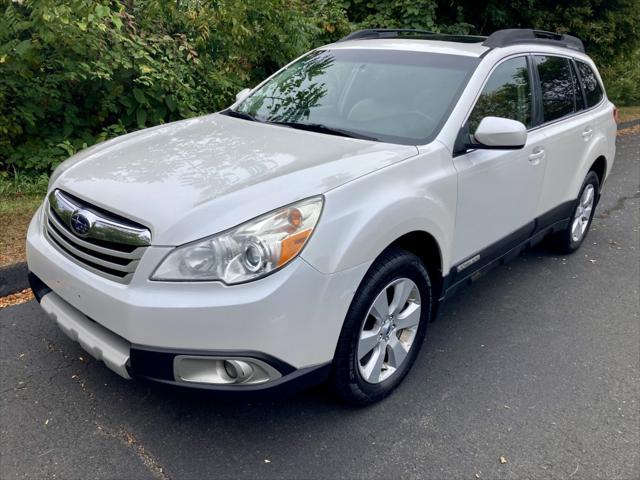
{"type": "Point", "coordinates": [582, 214]}
{"type": "Point", "coordinates": [388, 330]}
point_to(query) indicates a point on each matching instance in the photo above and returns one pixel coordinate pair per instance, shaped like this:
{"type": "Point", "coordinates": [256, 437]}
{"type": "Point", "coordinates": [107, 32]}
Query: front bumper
{"type": "Point", "coordinates": [135, 361]}
{"type": "Point", "coordinates": [292, 317]}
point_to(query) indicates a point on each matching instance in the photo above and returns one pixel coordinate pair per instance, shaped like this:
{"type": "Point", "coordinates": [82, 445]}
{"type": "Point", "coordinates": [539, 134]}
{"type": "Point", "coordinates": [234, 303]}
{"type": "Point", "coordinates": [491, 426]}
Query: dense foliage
{"type": "Point", "coordinates": [75, 72]}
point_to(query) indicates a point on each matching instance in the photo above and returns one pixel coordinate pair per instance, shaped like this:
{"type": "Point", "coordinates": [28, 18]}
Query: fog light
{"type": "Point", "coordinates": [222, 371]}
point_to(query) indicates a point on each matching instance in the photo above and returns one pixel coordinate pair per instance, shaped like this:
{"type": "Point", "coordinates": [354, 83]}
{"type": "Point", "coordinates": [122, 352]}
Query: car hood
{"type": "Point", "coordinates": [196, 177]}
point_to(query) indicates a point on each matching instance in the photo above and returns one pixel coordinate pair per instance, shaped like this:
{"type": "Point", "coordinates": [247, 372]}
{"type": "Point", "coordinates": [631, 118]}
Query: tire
{"type": "Point", "coordinates": [567, 241]}
{"type": "Point", "coordinates": [355, 377]}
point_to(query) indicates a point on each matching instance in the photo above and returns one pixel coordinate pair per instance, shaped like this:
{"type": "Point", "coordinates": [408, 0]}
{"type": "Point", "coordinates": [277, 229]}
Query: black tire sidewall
{"type": "Point", "coordinates": [390, 266]}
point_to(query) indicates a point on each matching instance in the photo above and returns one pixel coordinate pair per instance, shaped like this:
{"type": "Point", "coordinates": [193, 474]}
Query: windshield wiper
{"type": "Point", "coordinates": [320, 128]}
{"type": "Point", "coordinates": [237, 114]}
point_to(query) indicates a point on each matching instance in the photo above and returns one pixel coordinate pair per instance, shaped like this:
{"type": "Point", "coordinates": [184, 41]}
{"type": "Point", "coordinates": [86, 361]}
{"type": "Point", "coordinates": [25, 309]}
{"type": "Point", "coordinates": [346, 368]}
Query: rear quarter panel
{"type": "Point", "coordinates": [605, 134]}
{"type": "Point", "coordinates": [603, 144]}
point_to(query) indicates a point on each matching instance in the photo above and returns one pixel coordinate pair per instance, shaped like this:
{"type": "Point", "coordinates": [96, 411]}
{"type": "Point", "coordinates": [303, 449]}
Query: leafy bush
{"type": "Point", "coordinates": [609, 29]}
{"type": "Point", "coordinates": [622, 79]}
{"type": "Point", "coordinates": [77, 72]}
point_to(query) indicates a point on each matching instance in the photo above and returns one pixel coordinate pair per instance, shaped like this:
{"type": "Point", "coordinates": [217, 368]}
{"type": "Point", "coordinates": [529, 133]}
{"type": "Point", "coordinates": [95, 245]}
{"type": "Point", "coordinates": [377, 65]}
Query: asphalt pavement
{"type": "Point", "coordinates": [538, 363]}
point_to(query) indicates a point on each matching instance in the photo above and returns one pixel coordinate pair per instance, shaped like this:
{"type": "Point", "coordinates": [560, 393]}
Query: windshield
{"type": "Point", "coordinates": [385, 95]}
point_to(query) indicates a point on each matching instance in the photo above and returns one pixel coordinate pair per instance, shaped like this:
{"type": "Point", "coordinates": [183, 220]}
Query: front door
{"type": "Point", "coordinates": [499, 190]}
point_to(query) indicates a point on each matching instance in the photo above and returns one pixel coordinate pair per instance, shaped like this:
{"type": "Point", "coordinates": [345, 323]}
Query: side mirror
{"type": "Point", "coordinates": [499, 133]}
{"type": "Point", "coordinates": [242, 94]}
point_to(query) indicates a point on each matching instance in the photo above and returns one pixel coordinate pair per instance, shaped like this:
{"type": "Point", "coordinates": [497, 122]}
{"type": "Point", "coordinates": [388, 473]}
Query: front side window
{"type": "Point", "coordinates": [590, 83]}
{"type": "Point", "coordinates": [557, 85]}
{"type": "Point", "coordinates": [385, 95]}
{"type": "Point", "coordinates": [506, 94]}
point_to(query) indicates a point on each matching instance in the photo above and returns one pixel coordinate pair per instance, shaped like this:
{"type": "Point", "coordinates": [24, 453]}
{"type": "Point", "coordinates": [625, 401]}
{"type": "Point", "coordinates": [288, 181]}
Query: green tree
{"type": "Point", "coordinates": [420, 14]}
{"type": "Point", "coordinates": [77, 72]}
{"type": "Point", "coordinates": [609, 29]}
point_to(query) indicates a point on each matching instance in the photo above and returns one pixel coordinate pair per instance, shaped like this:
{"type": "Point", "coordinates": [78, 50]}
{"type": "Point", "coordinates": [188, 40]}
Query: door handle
{"type": "Point", "coordinates": [587, 133]}
{"type": "Point", "coordinates": [536, 155]}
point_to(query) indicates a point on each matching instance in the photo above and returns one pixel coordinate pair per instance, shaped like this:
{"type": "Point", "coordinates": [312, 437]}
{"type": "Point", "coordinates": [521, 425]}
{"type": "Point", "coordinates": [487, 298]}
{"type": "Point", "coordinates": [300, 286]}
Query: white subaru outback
{"type": "Point", "coordinates": [309, 232]}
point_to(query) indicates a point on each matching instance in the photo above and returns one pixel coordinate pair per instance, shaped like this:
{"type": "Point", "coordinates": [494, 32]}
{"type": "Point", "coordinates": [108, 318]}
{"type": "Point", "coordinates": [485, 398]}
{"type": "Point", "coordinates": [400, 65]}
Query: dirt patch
{"type": "Point", "coordinates": [628, 113]}
{"type": "Point", "coordinates": [17, 298]}
{"type": "Point", "coordinates": [629, 131]}
{"type": "Point", "coordinates": [15, 214]}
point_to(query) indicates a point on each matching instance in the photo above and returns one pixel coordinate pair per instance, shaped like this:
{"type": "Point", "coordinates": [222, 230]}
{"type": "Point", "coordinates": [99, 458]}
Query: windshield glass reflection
{"type": "Point", "coordinates": [393, 96]}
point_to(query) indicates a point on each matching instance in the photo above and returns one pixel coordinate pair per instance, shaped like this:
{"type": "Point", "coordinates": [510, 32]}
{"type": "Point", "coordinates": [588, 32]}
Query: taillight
{"type": "Point", "coordinates": [616, 115]}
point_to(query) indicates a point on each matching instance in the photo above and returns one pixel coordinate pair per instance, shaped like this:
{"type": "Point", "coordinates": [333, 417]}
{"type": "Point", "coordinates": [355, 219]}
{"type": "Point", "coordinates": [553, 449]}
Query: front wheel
{"type": "Point", "coordinates": [570, 239]}
{"type": "Point", "coordinates": [384, 328]}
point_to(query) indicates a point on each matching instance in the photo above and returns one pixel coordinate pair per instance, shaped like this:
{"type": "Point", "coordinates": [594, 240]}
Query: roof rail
{"type": "Point", "coordinates": [369, 33]}
{"type": "Point", "coordinates": [374, 33]}
{"type": "Point", "coordinates": [516, 36]}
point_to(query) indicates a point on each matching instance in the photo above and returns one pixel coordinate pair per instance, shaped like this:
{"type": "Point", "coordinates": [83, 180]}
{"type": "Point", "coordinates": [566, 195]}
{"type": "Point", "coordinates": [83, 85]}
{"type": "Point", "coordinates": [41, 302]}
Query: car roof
{"type": "Point", "coordinates": [412, 45]}
{"type": "Point", "coordinates": [514, 39]}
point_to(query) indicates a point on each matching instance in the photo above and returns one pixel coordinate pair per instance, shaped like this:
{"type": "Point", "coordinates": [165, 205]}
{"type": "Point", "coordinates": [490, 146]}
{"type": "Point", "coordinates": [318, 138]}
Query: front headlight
{"type": "Point", "coordinates": [246, 252]}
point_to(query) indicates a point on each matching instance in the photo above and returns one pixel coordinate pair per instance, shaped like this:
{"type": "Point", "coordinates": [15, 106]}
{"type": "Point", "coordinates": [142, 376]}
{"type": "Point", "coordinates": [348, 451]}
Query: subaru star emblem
{"type": "Point", "coordinates": [80, 224]}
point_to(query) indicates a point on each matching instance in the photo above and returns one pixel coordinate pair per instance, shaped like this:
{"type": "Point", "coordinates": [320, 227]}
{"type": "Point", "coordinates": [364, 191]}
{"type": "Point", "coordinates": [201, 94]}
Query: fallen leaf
{"type": "Point", "coordinates": [16, 298]}
{"type": "Point", "coordinates": [503, 460]}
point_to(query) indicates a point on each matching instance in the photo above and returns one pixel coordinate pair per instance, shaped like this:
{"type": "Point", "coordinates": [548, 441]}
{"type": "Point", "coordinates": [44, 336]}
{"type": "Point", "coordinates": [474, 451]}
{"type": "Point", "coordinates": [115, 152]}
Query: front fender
{"type": "Point", "coordinates": [362, 218]}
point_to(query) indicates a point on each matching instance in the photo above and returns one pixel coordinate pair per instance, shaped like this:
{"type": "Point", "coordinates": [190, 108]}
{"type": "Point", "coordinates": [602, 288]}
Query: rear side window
{"type": "Point", "coordinates": [507, 94]}
{"type": "Point", "coordinates": [557, 85]}
{"type": "Point", "coordinates": [590, 83]}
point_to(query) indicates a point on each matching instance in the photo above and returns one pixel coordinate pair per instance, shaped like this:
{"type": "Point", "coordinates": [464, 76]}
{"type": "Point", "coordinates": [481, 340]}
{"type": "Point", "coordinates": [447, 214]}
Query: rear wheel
{"type": "Point", "coordinates": [384, 328]}
{"type": "Point", "coordinates": [570, 239]}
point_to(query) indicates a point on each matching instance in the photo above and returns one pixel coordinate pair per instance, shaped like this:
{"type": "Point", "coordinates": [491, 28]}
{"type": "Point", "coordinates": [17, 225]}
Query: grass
{"type": "Point", "coordinates": [629, 113]}
{"type": "Point", "coordinates": [21, 184]}
{"type": "Point", "coordinates": [20, 196]}
{"type": "Point", "coordinates": [16, 211]}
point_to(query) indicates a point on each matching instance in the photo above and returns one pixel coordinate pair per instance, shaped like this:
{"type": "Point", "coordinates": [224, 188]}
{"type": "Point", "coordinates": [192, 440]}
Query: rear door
{"type": "Point", "coordinates": [600, 110]}
{"type": "Point", "coordinates": [568, 127]}
{"type": "Point", "coordinates": [499, 190]}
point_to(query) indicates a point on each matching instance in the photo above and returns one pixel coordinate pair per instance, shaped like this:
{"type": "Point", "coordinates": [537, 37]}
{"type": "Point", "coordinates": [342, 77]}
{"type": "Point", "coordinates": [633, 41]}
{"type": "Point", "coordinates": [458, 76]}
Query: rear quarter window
{"type": "Point", "coordinates": [592, 88]}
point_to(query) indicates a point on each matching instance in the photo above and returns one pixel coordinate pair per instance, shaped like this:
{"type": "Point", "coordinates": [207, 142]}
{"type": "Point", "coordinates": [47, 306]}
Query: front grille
{"type": "Point", "coordinates": [110, 247]}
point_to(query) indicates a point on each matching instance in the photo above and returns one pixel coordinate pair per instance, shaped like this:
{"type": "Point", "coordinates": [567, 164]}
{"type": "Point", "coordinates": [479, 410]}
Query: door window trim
{"type": "Point", "coordinates": [579, 84]}
{"type": "Point", "coordinates": [537, 119]}
{"type": "Point", "coordinates": [486, 79]}
{"type": "Point", "coordinates": [539, 90]}
{"type": "Point", "coordinates": [584, 90]}
{"type": "Point", "coordinates": [479, 93]}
